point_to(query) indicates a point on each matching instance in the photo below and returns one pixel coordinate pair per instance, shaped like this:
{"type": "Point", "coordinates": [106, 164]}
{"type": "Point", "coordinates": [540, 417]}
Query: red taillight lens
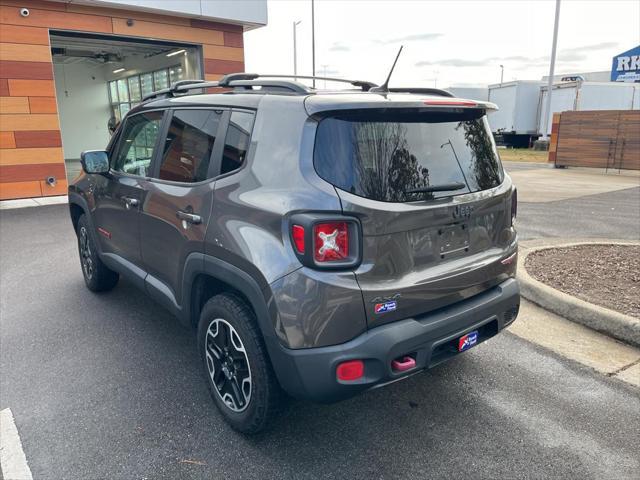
{"type": "Point", "coordinates": [297, 232]}
{"type": "Point", "coordinates": [459, 103]}
{"type": "Point", "coordinates": [514, 206]}
{"type": "Point", "coordinates": [351, 370]}
{"type": "Point", "coordinates": [330, 241]}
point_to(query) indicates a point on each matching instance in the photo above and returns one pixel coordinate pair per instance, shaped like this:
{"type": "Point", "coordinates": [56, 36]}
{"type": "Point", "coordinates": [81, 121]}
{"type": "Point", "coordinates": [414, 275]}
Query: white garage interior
{"type": "Point", "coordinates": [100, 78]}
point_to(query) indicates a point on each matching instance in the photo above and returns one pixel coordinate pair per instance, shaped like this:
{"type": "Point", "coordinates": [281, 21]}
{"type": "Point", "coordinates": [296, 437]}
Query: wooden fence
{"type": "Point", "coordinates": [599, 138]}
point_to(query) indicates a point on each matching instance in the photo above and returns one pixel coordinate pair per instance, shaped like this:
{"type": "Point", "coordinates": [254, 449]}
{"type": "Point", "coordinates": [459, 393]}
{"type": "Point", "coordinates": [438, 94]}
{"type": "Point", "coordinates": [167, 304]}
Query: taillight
{"type": "Point", "coordinates": [514, 206]}
{"type": "Point", "coordinates": [350, 371]}
{"type": "Point", "coordinates": [297, 232]}
{"type": "Point", "coordinates": [457, 103]}
{"type": "Point", "coordinates": [330, 241]}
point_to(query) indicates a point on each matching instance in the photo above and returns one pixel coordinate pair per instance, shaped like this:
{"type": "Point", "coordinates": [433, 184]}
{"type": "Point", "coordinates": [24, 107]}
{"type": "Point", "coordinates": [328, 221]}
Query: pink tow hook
{"type": "Point", "coordinates": [404, 364]}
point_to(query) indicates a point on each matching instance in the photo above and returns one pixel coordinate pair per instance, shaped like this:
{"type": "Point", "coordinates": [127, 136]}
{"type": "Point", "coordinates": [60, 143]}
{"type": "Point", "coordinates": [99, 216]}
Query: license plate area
{"type": "Point", "coordinates": [453, 239]}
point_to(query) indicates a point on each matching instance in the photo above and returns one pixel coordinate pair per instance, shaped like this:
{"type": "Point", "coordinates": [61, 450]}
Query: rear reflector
{"type": "Point", "coordinates": [459, 103]}
{"type": "Point", "coordinates": [510, 259]}
{"type": "Point", "coordinates": [297, 232]}
{"type": "Point", "coordinates": [351, 370]}
{"type": "Point", "coordinates": [330, 241]}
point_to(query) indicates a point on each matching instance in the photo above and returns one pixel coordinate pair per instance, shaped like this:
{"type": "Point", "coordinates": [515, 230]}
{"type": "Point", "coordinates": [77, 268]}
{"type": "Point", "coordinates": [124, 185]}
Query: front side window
{"type": "Point", "coordinates": [237, 141]}
{"type": "Point", "coordinates": [188, 146]}
{"type": "Point", "coordinates": [137, 142]}
{"type": "Point", "coordinates": [385, 155]}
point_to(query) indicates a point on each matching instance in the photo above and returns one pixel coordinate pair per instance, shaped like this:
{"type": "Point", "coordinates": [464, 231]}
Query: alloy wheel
{"type": "Point", "coordinates": [85, 253]}
{"type": "Point", "coordinates": [228, 365]}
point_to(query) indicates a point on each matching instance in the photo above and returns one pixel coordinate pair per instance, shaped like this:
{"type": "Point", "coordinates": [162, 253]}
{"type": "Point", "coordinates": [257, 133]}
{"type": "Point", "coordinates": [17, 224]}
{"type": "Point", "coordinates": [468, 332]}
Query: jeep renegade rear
{"type": "Point", "coordinates": [321, 243]}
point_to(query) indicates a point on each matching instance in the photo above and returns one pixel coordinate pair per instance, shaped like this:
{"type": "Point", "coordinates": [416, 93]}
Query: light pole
{"type": "Point", "coordinates": [551, 71]}
{"type": "Point", "coordinates": [295, 50]}
{"type": "Point", "coordinates": [313, 43]}
{"type": "Point", "coordinates": [501, 74]}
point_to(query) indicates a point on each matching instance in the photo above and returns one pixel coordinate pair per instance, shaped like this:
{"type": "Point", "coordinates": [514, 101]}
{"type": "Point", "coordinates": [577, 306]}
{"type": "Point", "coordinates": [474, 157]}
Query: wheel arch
{"type": "Point", "coordinates": [217, 276]}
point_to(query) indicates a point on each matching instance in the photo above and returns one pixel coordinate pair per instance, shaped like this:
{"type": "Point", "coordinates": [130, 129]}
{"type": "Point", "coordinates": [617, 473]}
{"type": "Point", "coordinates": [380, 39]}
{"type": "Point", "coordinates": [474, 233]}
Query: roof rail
{"type": "Point", "coordinates": [423, 91]}
{"type": "Point", "coordinates": [249, 80]}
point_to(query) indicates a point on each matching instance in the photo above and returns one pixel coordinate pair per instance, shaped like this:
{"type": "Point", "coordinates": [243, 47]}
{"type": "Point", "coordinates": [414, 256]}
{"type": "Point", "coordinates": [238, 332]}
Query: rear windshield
{"type": "Point", "coordinates": [382, 155]}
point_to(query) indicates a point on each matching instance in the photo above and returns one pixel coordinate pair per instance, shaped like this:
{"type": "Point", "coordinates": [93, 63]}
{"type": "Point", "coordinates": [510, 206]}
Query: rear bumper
{"type": "Point", "coordinates": [311, 373]}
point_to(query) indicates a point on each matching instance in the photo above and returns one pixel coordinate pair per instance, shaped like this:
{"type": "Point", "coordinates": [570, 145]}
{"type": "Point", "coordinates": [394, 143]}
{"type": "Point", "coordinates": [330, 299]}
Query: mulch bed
{"type": "Point", "coordinates": [606, 275]}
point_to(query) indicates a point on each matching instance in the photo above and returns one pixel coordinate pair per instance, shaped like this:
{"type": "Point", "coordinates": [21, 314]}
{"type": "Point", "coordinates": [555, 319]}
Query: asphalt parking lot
{"type": "Point", "coordinates": [109, 386]}
{"type": "Point", "coordinates": [611, 214]}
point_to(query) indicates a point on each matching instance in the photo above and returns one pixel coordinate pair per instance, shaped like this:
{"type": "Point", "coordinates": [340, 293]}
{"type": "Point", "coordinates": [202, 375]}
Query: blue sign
{"type": "Point", "coordinates": [626, 66]}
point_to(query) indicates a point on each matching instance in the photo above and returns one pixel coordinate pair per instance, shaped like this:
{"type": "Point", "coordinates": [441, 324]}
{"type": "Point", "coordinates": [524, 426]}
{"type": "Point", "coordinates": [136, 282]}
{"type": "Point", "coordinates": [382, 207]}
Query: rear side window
{"type": "Point", "coordinates": [236, 143]}
{"type": "Point", "coordinates": [188, 146]}
{"type": "Point", "coordinates": [382, 156]}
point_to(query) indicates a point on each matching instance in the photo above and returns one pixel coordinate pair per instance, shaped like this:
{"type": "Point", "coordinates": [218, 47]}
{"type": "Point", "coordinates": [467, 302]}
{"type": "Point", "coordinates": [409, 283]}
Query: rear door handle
{"type": "Point", "coordinates": [130, 202]}
{"type": "Point", "coordinates": [189, 217]}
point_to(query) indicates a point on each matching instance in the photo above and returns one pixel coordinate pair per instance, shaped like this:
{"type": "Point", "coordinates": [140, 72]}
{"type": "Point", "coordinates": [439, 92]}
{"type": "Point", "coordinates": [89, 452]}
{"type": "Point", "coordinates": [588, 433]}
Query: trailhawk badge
{"type": "Point", "coordinates": [385, 307]}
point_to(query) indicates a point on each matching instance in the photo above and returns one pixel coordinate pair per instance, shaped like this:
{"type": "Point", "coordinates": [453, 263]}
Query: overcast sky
{"type": "Point", "coordinates": [446, 43]}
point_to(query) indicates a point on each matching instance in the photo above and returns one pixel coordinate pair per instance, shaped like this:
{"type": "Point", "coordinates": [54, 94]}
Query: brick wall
{"type": "Point", "coordinates": [30, 145]}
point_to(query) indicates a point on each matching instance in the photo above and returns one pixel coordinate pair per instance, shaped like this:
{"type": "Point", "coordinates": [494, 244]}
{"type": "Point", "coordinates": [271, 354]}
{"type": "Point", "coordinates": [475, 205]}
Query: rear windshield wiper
{"type": "Point", "coordinates": [445, 187]}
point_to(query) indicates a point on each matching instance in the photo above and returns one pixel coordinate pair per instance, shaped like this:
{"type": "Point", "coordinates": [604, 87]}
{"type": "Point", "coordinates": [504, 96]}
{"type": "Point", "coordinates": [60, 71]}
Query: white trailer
{"type": "Point", "coordinates": [471, 93]}
{"type": "Point", "coordinates": [587, 96]}
{"type": "Point", "coordinates": [516, 121]}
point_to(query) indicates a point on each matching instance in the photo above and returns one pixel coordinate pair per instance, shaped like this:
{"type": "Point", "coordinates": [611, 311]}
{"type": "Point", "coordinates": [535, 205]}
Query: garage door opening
{"type": "Point", "coordinates": [100, 78]}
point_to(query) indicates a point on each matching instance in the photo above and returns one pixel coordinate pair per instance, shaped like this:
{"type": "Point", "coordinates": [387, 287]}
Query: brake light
{"type": "Point", "coordinates": [330, 241]}
{"type": "Point", "coordinates": [351, 370]}
{"type": "Point", "coordinates": [297, 232]}
{"type": "Point", "coordinates": [514, 206]}
{"type": "Point", "coordinates": [459, 103]}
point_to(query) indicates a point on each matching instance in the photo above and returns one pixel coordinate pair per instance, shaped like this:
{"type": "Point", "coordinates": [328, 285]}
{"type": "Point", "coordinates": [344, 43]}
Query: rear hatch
{"type": "Point", "coordinates": [432, 198]}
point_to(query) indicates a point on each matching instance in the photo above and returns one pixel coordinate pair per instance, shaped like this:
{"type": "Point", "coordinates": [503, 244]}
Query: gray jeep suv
{"type": "Point", "coordinates": [321, 243]}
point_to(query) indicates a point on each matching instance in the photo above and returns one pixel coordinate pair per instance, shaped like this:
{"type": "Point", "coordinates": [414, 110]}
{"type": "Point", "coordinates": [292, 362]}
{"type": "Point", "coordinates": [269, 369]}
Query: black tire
{"type": "Point", "coordinates": [97, 276]}
{"type": "Point", "coordinates": [246, 414]}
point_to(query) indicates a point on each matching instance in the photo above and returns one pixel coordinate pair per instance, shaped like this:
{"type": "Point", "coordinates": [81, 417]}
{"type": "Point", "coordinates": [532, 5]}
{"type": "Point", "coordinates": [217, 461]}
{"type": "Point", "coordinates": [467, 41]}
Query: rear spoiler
{"type": "Point", "coordinates": [316, 104]}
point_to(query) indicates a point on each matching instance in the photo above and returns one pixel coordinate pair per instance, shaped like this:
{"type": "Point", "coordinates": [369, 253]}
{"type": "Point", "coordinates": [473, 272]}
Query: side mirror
{"type": "Point", "coordinates": [95, 161]}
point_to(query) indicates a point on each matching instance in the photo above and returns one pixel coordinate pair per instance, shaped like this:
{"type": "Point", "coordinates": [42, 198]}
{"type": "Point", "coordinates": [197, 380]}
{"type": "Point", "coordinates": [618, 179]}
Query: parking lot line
{"type": "Point", "coordinates": [13, 463]}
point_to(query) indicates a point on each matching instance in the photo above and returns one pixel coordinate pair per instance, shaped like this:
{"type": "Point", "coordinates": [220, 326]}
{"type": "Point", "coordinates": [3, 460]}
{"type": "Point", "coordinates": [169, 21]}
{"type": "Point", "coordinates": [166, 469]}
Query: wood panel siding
{"type": "Point", "coordinates": [162, 31]}
{"type": "Point", "coordinates": [14, 104]}
{"type": "Point", "coordinates": [24, 156]}
{"type": "Point", "coordinates": [21, 52]}
{"type": "Point", "coordinates": [232, 39]}
{"type": "Point", "coordinates": [43, 105]}
{"type": "Point", "coordinates": [222, 66]}
{"type": "Point", "coordinates": [38, 138]}
{"type": "Point", "coordinates": [209, 25]}
{"type": "Point", "coordinates": [7, 140]}
{"type": "Point", "coordinates": [22, 34]}
{"type": "Point", "coordinates": [31, 88]}
{"type": "Point", "coordinates": [599, 138]}
{"type": "Point", "coordinates": [217, 52]}
{"type": "Point", "coordinates": [34, 171]}
{"type": "Point", "coordinates": [11, 190]}
{"type": "Point", "coordinates": [60, 188]}
{"type": "Point", "coordinates": [29, 127]}
{"type": "Point", "coordinates": [27, 121]}
{"type": "Point", "coordinates": [62, 20]}
{"type": "Point", "coordinates": [26, 70]}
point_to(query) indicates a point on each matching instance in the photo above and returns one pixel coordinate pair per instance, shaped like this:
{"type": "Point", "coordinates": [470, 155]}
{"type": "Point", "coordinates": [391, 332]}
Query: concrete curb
{"type": "Point", "coordinates": [618, 325]}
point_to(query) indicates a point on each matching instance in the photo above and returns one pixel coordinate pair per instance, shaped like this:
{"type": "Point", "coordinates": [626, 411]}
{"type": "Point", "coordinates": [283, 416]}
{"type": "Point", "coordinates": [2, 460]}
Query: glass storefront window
{"type": "Point", "coordinates": [125, 93]}
{"type": "Point", "coordinates": [175, 74]}
{"type": "Point", "coordinates": [160, 79]}
{"type": "Point", "coordinates": [134, 88]}
{"type": "Point", "coordinates": [113, 92]}
{"type": "Point", "coordinates": [146, 84]}
{"type": "Point", "coordinates": [123, 90]}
